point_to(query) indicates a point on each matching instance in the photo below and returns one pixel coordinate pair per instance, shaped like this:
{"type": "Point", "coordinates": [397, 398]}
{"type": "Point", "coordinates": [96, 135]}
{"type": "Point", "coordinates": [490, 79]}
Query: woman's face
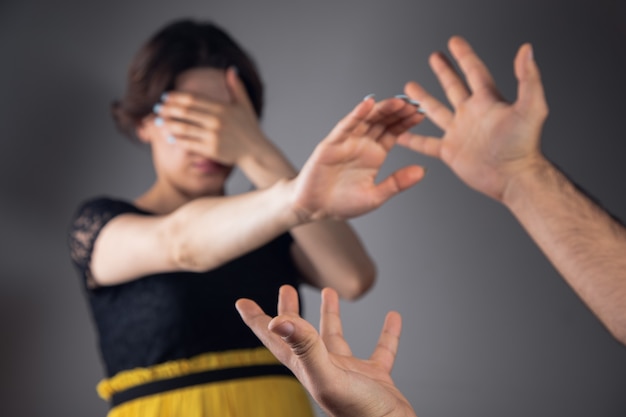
{"type": "Point", "coordinates": [185, 171]}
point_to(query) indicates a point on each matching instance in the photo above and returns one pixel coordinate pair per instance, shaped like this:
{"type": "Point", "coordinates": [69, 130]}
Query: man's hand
{"type": "Point", "coordinates": [323, 362]}
{"type": "Point", "coordinates": [487, 141]}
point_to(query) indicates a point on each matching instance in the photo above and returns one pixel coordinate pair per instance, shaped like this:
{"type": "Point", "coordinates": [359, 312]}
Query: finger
{"type": "Point", "coordinates": [387, 347]}
{"type": "Point", "coordinates": [452, 84]}
{"type": "Point", "coordinates": [256, 319]}
{"type": "Point", "coordinates": [352, 123]}
{"type": "Point", "coordinates": [191, 101]}
{"type": "Point", "coordinates": [426, 145]}
{"type": "Point", "coordinates": [202, 142]}
{"type": "Point", "coordinates": [192, 115]}
{"type": "Point", "coordinates": [204, 148]}
{"type": "Point", "coordinates": [185, 128]}
{"type": "Point", "coordinates": [396, 117]}
{"type": "Point", "coordinates": [476, 72]}
{"type": "Point", "coordinates": [288, 302]}
{"type": "Point", "coordinates": [238, 89]}
{"type": "Point", "coordinates": [391, 118]}
{"type": "Point", "coordinates": [412, 119]}
{"type": "Point", "coordinates": [331, 328]}
{"type": "Point", "coordinates": [388, 137]}
{"type": "Point", "coordinates": [439, 114]}
{"type": "Point", "coordinates": [308, 357]}
{"type": "Point", "coordinates": [398, 181]}
{"type": "Point", "coordinates": [291, 339]}
{"type": "Point", "coordinates": [530, 93]}
{"type": "Point", "coordinates": [387, 111]}
{"type": "Point", "coordinates": [382, 118]}
{"type": "Point", "coordinates": [252, 314]}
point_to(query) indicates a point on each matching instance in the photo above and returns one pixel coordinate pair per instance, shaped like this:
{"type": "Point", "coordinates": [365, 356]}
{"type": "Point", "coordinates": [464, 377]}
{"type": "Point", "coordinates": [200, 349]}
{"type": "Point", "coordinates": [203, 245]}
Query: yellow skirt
{"type": "Point", "coordinates": [259, 396]}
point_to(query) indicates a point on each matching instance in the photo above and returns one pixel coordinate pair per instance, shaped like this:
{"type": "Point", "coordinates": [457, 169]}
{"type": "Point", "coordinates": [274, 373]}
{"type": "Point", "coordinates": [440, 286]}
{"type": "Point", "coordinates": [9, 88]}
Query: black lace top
{"type": "Point", "coordinates": [169, 316]}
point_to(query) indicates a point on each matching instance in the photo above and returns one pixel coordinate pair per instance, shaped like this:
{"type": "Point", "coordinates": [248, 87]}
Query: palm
{"type": "Point", "coordinates": [347, 170]}
{"type": "Point", "coordinates": [342, 384]}
{"type": "Point", "coordinates": [338, 180]}
{"type": "Point", "coordinates": [486, 140]}
{"type": "Point", "coordinates": [361, 387]}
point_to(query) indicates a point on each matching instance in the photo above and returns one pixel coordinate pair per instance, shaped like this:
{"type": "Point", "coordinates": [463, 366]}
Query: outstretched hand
{"type": "Point", "coordinates": [342, 384]}
{"type": "Point", "coordinates": [339, 179]}
{"type": "Point", "coordinates": [487, 141]}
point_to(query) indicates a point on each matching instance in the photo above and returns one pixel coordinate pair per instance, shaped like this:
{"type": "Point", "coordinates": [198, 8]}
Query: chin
{"type": "Point", "coordinates": [203, 186]}
{"type": "Point", "coordinates": [206, 191]}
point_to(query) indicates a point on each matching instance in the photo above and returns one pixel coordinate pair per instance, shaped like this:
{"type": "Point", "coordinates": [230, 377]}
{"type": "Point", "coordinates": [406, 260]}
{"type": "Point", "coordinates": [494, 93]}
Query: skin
{"type": "Point", "coordinates": [214, 126]}
{"type": "Point", "coordinates": [493, 146]}
{"type": "Point", "coordinates": [342, 384]}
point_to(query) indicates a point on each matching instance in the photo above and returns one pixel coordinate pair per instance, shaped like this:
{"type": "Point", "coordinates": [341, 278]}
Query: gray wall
{"type": "Point", "coordinates": [490, 327]}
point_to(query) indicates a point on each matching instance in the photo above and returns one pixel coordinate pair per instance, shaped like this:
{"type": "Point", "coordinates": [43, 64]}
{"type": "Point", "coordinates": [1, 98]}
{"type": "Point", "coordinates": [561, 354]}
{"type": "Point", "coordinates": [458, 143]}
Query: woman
{"type": "Point", "coordinates": [162, 270]}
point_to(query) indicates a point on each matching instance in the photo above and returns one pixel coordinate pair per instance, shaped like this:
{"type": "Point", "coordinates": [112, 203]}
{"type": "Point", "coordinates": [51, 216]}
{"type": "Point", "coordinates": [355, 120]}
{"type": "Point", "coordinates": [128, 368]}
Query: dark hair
{"type": "Point", "coordinates": [177, 47]}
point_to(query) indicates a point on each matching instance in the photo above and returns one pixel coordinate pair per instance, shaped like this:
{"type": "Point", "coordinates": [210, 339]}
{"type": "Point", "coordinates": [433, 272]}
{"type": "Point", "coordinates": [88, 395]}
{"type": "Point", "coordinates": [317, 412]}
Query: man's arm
{"type": "Point", "coordinates": [344, 386]}
{"type": "Point", "coordinates": [584, 243]}
{"type": "Point", "coordinates": [494, 147]}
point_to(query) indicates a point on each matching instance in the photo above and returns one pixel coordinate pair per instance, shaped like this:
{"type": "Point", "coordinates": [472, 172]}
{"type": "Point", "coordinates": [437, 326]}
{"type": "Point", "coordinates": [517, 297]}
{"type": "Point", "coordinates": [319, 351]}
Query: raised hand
{"type": "Point", "coordinates": [223, 131]}
{"type": "Point", "coordinates": [338, 179]}
{"type": "Point", "coordinates": [487, 141]}
{"type": "Point", "coordinates": [323, 362]}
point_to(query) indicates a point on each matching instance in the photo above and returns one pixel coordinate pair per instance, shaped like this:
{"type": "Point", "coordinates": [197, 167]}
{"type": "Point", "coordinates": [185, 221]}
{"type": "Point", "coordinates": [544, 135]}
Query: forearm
{"type": "Point", "coordinates": [209, 232]}
{"type": "Point", "coordinates": [330, 254]}
{"type": "Point", "coordinates": [582, 241]}
{"type": "Point", "coordinates": [264, 164]}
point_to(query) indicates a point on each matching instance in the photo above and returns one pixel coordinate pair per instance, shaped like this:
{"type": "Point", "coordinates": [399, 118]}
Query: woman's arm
{"type": "Point", "coordinates": [327, 252]}
{"type": "Point", "coordinates": [201, 235]}
{"type": "Point", "coordinates": [336, 183]}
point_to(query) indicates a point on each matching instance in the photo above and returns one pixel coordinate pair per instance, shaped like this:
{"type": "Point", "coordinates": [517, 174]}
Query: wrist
{"type": "Point", "coordinates": [285, 190]}
{"type": "Point", "coordinates": [529, 179]}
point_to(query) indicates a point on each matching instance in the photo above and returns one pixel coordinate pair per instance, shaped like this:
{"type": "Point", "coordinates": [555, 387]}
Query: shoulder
{"type": "Point", "coordinates": [103, 204]}
{"type": "Point", "coordinates": [92, 214]}
{"type": "Point", "coordinates": [89, 219]}
{"type": "Point", "coordinates": [103, 209]}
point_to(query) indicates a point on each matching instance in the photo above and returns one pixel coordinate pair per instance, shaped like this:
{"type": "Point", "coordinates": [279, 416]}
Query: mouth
{"type": "Point", "coordinates": [208, 166]}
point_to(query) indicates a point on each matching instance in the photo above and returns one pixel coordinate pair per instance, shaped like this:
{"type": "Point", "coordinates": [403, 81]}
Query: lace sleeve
{"type": "Point", "coordinates": [86, 224]}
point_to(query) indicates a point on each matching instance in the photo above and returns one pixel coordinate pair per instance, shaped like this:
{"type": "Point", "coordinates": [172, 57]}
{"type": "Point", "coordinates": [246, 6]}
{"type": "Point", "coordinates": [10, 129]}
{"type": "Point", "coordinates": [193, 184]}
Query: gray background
{"type": "Point", "coordinates": [490, 327]}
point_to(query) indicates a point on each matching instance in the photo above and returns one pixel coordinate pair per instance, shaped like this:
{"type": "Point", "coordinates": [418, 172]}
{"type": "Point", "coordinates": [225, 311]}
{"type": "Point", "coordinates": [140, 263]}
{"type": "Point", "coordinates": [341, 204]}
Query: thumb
{"type": "Point", "coordinates": [311, 359]}
{"type": "Point", "coordinates": [398, 181]}
{"type": "Point", "coordinates": [237, 88]}
{"type": "Point", "coordinates": [530, 94]}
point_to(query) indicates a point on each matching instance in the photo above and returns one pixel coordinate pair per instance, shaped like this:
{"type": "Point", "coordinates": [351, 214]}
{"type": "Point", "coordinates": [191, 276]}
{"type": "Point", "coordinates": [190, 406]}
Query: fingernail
{"type": "Point", "coordinates": [164, 96]}
{"type": "Point", "coordinates": [158, 121]}
{"type": "Point", "coordinates": [408, 99]}
{"type": "Point", "coordinates": [421, 110]}
{"type": "Point", "coordinates": [171, 139]}
{"type": "Point", "coordinates": [367, 97]}
{"type": "Point", "coordinates": [157, 108]}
